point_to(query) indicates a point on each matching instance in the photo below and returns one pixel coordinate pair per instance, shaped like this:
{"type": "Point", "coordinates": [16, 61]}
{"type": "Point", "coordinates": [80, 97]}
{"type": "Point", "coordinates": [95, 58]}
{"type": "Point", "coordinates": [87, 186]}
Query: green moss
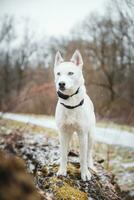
{"type": "Point", "coordinates": [73, 171]}
{"type": "Point", "coordinates": [44, 171]}
{"type": "Point", "coordinates": [65, 191]}
{"type": "Point", "coordinates": [63, 188]}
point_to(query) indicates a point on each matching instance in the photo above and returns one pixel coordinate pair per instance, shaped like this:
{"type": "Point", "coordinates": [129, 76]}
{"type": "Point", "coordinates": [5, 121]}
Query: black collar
{"type": "Point", "coordinates": [72, 107]}
{"type": "Point", "coordinates": [65, 96]}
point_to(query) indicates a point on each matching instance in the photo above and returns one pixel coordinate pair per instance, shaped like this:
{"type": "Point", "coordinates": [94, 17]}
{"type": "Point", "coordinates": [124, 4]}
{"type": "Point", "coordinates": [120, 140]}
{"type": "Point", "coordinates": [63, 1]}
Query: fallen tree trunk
{"type": "Point", "coordinates": [41, 155]}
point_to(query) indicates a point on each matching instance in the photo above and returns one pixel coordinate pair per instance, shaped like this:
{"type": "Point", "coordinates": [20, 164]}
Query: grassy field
{"type": "Point", "coordinates": [109, 124]}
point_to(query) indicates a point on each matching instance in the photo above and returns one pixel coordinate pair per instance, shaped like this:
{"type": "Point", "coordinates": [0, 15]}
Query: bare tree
{"type": "Point", "coordinates": [7, 36]}
{"type": "Point", "coordinates": [22, 55]}
{"type": "Point", "coordinates": [6, 28]}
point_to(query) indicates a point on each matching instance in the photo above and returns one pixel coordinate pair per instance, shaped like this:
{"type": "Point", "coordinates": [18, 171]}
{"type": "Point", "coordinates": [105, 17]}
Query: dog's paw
{"type": "Point", "coordinates": [86, 175]}
{"type": "Point", "coordinates": [61, 172]}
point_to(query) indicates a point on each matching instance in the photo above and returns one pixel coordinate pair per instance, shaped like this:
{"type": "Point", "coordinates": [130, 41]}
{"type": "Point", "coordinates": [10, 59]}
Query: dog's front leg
{"type": "Point", "coordinates": [83, 139]}
{"type": "Point", "coordinates": [64, 145]}
{"type": "Point", "coordinates": [90, 149]}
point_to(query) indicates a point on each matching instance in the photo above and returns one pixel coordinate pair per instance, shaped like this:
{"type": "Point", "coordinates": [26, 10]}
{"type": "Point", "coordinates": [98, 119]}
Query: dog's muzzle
{"type": "Point", "coordinates": [62, 86]}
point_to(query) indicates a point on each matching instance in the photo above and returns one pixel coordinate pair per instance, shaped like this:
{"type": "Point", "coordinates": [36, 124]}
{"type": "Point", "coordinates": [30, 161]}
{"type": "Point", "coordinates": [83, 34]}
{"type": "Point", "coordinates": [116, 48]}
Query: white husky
{"type": "Point", "coordinates": [74, 112]}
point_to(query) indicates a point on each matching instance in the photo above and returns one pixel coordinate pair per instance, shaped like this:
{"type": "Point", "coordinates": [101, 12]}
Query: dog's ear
{"type": "Point", "coordinates": [77, 59]}
{"type": "Point", "coordinates": [58, 59]}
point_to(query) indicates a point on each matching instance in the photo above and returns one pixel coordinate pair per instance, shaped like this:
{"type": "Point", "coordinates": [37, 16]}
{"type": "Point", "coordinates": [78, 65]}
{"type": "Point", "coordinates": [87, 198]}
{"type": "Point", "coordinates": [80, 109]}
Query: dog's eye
{"type": "Point", "coordinates": [58, 73]}
{"type": "Point", "coordinates": [70, 73]}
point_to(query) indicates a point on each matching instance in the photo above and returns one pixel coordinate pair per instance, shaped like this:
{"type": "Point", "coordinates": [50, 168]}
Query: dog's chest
{"type": "Point", "coordinates": [70, 119]}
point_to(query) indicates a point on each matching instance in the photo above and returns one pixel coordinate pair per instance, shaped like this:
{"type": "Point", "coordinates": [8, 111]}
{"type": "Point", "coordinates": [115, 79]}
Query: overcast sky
{"type": "Point", "coordinates": [52, 17]}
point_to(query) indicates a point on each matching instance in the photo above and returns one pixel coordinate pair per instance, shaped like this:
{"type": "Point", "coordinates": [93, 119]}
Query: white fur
{"type": "Point", "coordinates": [80, 119]}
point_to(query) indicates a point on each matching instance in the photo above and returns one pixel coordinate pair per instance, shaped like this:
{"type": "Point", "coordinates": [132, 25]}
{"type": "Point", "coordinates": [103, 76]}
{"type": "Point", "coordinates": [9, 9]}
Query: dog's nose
{"type": "Point", "coordinates": [62, 85]}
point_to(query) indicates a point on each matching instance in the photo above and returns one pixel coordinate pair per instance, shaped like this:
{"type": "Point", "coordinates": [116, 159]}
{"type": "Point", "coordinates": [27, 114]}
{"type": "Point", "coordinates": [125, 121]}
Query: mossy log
{"type": "Point", "coordinates": [41, 155]}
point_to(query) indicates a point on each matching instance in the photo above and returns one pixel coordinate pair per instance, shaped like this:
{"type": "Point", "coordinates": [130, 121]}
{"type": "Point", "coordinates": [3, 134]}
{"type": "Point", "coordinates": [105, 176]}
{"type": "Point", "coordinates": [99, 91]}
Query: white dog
{"type": "Point", "coordinates": [74, 112]}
